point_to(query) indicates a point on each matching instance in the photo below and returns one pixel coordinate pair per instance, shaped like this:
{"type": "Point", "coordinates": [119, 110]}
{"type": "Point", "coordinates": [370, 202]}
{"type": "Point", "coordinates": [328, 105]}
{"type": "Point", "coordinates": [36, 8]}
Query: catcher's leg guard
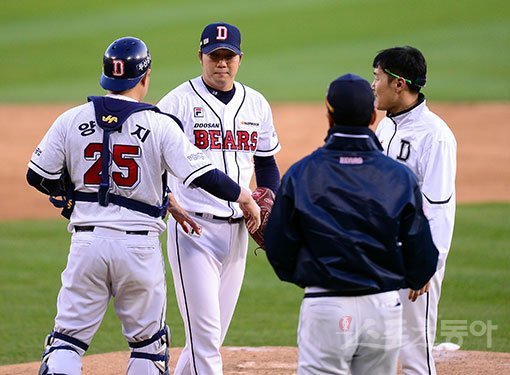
{"type": "Point", "coordinates": [155, 350]}
{"type": "Point", "coordinates": [62, 354]}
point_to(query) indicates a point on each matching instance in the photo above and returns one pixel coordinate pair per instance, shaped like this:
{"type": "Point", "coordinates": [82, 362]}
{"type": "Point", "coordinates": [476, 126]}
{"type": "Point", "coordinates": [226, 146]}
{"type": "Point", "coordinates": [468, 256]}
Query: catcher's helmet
{"type": "Point", "coordinates": [125, 62]}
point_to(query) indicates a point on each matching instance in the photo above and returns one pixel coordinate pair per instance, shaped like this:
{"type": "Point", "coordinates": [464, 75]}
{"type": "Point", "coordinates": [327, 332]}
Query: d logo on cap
{"type": "Point", "coordinates": [222, 33]}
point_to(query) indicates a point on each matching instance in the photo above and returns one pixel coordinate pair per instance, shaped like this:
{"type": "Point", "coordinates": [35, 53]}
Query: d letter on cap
{"type": "Point", "coordinates": [222, 33]}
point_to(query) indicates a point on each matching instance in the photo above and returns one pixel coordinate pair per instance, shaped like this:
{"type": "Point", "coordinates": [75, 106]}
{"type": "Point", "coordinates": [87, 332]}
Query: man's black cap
{"type": "Point", "coordinates": [350, 100]}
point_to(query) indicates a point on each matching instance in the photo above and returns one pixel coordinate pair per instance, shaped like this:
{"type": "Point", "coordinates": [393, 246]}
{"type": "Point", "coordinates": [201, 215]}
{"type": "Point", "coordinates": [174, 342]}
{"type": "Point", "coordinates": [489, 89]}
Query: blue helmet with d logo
{"type": "Point", "coordinates": [125, 62]}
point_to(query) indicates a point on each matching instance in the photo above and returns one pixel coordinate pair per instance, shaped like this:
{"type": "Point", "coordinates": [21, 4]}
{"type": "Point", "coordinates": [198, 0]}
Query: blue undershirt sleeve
{"type": "Point", "coordinates": [266, 172]}
{"type": "Point", "coordinates": [218, 184]}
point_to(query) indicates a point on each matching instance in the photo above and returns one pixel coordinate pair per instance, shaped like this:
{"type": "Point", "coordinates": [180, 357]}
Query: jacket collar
{"type": "Point", "coordinates": [421, 100]}
{"type": "Point", "coordinates": [352, 138]}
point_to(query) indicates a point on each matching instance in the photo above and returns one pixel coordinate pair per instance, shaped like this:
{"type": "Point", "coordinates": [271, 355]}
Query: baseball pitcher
{"type": "Point", "coordinates": [232, 124]}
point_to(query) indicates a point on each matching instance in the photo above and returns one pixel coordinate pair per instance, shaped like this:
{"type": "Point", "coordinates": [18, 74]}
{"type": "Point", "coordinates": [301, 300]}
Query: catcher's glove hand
{"type": "Point", "coordinates": [264, 197]}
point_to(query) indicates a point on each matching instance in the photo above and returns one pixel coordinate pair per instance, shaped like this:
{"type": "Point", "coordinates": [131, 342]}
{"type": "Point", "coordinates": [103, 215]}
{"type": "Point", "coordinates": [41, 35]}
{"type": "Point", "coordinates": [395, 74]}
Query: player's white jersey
{"type": "Point", "coordinates": [230, 135]}
{"type": "Point", "coordinates": [147, 144]}
{"type": "Point", "coordinates": [421, 140]}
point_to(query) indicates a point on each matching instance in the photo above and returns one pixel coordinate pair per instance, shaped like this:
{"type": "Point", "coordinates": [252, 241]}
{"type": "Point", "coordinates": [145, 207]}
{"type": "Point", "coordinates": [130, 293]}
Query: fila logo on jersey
{"type": "Point", "coordinates": [109, 119]}
{"type": "Point", "coordinates": [198, 112]}
{"type": "Point", "coordinates": [405, 150]}
{"type": "Point", "coordinates": [243, 141]}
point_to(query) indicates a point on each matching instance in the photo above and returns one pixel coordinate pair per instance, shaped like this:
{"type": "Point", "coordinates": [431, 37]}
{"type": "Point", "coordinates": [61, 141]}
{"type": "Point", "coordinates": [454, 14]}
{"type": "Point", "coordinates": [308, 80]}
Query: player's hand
{"type": "Point", "coordinates": [180, 215]}
{"type": "Point", "coordinates": [414, 294]}
{"type": "Point", "coordinates": [251, 210]}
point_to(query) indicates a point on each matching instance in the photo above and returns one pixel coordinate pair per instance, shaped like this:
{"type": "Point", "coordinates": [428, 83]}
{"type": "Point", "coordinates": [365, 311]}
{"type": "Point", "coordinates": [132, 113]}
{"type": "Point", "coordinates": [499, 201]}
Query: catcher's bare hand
{"type": "Point", "coordinates": [182, 217]}
{"type": "Point", "coordinates": [414, 294]}
{"type": "Point", "coordinates": [251, 210]}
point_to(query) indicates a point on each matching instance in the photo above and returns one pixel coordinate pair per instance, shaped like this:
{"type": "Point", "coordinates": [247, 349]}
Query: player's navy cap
{"type": "Point", "coordinates": [350, 100]}
{"type": "Point", "coordinates": [220, 35]}
{"type": "Point", "coordinates": [125, 62]}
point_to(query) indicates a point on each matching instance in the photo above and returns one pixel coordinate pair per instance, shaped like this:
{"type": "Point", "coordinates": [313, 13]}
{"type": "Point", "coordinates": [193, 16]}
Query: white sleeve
{"type": "Point", "coordinates": [48, 159]}
{"type": "Point", "coordinates": [170, 103]}
{"type": "Point", "coordinates": [181, 158]}
{"type": "Point", "coordinates": [267, 143]}
{"type": "Point", "coordinates": [439, 169]}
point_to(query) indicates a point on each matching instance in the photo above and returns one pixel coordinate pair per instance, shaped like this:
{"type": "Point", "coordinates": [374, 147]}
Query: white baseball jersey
{"type": "Point", "coordinates": [230, 135]}
{"type": "Point", "coordinates": [422, 141]}
{"type": "Point", "coordinates": [208, 270]}
{"type": "Point", "coordinates": [148, 144]}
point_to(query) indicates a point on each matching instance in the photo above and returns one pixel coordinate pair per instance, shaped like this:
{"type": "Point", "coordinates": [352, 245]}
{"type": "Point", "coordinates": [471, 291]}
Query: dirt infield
{"type": "Point", "coordinates": [482, 134]}
{"type": "Point", "coordinates": [279, 361]}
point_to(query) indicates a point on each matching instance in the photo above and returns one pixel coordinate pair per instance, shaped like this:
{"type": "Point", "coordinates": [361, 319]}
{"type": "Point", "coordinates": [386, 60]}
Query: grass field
{"type": "Point", "coordinates": [33, 254]}
{"type": "Point", "coordinates": [52, 50]}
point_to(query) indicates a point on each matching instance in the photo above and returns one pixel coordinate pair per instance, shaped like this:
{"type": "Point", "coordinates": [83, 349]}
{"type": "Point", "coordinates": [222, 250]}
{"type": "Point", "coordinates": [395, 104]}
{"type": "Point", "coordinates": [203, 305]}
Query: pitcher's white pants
{"type": "Point", "coordinates": [419, 320]}
{"type": "Point", "coordinates": [344, 335]}
{"type": "Point", "coordinates": [208, 273]}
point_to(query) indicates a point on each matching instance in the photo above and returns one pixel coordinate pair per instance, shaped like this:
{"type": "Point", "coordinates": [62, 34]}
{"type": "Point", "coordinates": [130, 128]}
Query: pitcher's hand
{"type": "Point", "coordinates": [250, 209]}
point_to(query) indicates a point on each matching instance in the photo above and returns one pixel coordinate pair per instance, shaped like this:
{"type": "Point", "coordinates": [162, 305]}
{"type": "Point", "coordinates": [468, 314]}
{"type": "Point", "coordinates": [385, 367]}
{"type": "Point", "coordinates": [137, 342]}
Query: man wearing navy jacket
{"type": "Point", "coordinates": [348, 226]}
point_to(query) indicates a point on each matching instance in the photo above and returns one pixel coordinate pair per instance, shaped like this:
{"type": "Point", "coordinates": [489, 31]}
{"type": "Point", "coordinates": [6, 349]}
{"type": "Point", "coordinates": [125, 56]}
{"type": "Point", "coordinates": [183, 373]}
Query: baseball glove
{"type": "Point", "coordinates": [264, 197]}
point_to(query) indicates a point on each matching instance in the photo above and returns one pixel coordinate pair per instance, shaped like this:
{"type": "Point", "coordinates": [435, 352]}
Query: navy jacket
{"type": "Point", "coordinates": [348, 218]}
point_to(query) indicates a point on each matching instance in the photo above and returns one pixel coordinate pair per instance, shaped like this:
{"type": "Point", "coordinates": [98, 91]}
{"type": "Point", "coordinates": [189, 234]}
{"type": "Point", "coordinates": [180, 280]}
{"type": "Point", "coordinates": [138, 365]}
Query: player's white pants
{"type": "Point", "coordinates": [419, 329]}
{"type": "Point", "coordinates": [103, 264]}
{"type": "Point", "coordinates": [343, 335]}
{"type": "Point", "coordinates": [208, 272]}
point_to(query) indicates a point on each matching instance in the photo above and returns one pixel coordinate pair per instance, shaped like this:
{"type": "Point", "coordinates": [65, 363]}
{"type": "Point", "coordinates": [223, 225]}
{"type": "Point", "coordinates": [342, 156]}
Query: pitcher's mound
{"type": "Point", "coordinates": [272, 360]}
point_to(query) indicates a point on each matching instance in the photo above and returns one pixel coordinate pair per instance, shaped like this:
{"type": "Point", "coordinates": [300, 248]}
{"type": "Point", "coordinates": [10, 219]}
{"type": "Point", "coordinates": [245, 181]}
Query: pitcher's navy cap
{"type": "Point", "coordinates": [220, 35]}
{"type": "Point", "coordinates": [350, 100]}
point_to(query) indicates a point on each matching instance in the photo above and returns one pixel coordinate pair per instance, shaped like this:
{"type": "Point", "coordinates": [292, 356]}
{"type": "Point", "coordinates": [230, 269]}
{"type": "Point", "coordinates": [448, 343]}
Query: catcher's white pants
{"type": "Point", "coordinates": [344, 335]}
{"type": "Point", "coordinates": [419, 329]}
{"type": "Point", "coordinates": [208, 273]}
{"type": "Point", "coordinates": [103, 264]}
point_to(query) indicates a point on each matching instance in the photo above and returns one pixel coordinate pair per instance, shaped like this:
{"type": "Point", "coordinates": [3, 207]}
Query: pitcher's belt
{"type": "Point", "coordinates": [229, 219]}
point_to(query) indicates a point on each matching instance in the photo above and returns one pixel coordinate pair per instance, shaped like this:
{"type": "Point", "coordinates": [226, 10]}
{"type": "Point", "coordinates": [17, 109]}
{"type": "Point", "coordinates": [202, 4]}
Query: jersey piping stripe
{"type": "Point", "coordinates": [219, 119]}
{"type": "Point", "coordinates": [179, 122]}
{"type": "Point", "coordinates": [185, 299]}
{"type": "Point", "coordinates": [391, 139]}
{"type": "Point", "coordinates": [427, 334]}
{"type": "Point", "coordinates": [45, 171]}
{"type": "Point", "coordinates": [274, 148]}
{"type": "Point", "coordinates": [437, 202]}
{"type": "Point", "coordinates": [192, 173]}
{"type": "Point", "coordinates": [222, 137]}
{"type": "Point", "coordinates": [235, 116]}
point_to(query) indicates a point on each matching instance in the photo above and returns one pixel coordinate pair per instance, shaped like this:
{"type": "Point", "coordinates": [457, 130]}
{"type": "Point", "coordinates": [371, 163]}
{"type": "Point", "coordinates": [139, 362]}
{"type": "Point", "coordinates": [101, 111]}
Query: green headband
{"type": "Point", "coordinates": [405, 79]}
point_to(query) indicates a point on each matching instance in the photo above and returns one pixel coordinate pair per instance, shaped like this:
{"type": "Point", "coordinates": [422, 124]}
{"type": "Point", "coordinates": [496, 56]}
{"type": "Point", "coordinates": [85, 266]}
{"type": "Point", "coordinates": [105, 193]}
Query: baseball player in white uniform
{"type": "Point", "coordinates": [415, 136]}
{"type": "Point", "coordinates": [108, 158]}
{"type": "Point", "coordinates": [232, 124]}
